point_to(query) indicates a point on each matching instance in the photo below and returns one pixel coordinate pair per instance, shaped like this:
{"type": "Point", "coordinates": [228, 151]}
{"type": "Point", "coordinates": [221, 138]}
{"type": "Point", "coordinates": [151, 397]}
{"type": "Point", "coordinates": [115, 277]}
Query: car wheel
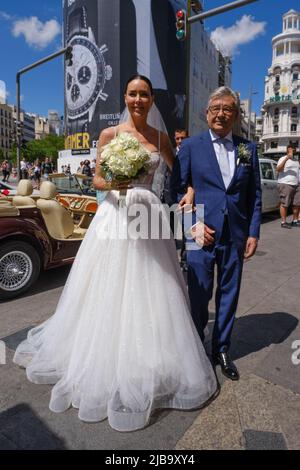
{"type": "Point", "coordinates": [20, 266]}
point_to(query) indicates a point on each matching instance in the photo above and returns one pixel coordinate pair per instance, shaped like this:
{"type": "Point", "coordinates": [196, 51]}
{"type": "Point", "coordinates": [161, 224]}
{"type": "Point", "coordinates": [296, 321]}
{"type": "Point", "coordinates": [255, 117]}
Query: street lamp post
{"type": "Point", "coordinates": [68, 52]}
{"type": "Point", "coordinates": [251, 93]}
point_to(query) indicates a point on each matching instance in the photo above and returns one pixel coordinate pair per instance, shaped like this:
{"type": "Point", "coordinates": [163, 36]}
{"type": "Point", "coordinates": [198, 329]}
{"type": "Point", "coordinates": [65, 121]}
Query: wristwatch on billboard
{"type": "Point", "coordinates": [85, 79]}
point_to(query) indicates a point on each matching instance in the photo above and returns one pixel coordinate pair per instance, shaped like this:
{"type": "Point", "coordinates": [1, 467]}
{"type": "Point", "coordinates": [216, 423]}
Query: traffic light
{"type": "Point", "coordinates": [69, 56]}
{"type": "Point", "coordinates": [19, 128]}
{"type": "Point", "coordinates": [181, 25]}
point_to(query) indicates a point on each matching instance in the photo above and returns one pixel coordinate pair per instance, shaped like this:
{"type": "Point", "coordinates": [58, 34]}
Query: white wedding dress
{"type": "Point", "coordinates": [122, 341]}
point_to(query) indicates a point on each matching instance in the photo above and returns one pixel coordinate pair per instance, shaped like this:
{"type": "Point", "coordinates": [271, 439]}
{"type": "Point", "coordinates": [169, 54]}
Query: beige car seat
{"type": "Point", "coordinates": [7, 209]}
{"type": "Point", "coordinates": [24, 191]}
{"type": "Point", "coordinates": [57, 218]}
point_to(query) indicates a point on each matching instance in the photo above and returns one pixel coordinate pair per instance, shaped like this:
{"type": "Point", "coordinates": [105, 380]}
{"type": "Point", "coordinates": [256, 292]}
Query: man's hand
{"type": "Point", "coordinates": [202, 234]}
{"type": "Point", "coordinates": [187, 202]}
{"type": "Point", "coordinates": [251, 246]}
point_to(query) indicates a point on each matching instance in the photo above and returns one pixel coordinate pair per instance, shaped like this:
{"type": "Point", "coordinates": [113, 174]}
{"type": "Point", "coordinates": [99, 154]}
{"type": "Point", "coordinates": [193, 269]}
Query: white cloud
{"type": "Point", "coordinates": [5, 16]}
{"type": "Point", "coordinates": [36, 33]}
{"type": "Point", "coordinates": [243, 31]}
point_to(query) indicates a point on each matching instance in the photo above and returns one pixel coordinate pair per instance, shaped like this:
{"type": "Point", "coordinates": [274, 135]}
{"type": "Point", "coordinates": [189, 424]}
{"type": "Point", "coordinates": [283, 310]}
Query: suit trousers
{"type": "Point", "coordinates": [228, 258]}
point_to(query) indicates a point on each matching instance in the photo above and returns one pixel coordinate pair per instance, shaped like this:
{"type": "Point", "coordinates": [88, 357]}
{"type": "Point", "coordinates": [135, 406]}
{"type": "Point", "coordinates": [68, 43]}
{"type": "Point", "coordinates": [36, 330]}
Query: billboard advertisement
{"type": "Point", "coordinates": [113, 40]}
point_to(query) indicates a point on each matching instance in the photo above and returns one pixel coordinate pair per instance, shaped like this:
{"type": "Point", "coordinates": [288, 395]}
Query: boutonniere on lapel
{"type": "Point", "coordinates": [243, 154]}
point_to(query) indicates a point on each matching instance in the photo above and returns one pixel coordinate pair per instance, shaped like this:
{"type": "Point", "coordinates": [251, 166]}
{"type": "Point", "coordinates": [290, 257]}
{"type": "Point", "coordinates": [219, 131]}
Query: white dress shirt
{"type": "Point", "coordinates": [229, 148]}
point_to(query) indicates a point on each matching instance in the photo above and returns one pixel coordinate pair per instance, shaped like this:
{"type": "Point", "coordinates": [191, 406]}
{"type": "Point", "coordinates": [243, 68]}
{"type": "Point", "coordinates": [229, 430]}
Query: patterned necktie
{"type": "Point", "coordinates": [224, 161]}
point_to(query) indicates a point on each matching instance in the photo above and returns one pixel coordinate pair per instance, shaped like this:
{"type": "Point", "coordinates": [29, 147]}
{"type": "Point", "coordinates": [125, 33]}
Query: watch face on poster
{"type": "Point", "coordinates": [85, 79]}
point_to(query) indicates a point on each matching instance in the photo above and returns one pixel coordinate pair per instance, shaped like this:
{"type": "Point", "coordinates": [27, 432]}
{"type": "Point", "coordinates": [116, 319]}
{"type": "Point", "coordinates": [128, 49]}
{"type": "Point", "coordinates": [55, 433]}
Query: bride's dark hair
{"type": "Point", "coordinates": [139, 77]}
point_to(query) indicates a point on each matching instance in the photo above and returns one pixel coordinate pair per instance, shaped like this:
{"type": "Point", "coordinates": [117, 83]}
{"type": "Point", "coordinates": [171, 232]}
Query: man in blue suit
{"type": "Point", "coordinates": [224, 172]}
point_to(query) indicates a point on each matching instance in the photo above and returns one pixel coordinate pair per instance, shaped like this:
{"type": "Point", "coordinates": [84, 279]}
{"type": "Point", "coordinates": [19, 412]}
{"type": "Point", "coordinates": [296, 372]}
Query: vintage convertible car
{"type": "Point", "coordinates": [40, 232]}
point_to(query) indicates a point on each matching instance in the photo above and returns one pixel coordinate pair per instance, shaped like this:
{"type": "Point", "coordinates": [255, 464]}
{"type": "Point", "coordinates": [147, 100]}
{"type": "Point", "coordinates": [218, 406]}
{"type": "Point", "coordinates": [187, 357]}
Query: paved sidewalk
{"type": "Point", "coordinates": [261, 411]}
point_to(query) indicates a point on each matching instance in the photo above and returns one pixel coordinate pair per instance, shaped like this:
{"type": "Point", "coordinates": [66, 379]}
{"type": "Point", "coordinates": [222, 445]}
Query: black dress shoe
{"type": "Point", "coordinates": [227, 366]}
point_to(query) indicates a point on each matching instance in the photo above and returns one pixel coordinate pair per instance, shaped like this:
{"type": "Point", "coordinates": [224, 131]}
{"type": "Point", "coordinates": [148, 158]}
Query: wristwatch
{"type": "Point", "coordinates": [85, 79]}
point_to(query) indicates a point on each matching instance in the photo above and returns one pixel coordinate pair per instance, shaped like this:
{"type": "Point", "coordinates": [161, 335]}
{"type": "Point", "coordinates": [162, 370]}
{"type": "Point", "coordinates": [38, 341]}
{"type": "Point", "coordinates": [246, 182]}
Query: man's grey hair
{"type": "Point", "coordinates": [225, 91]}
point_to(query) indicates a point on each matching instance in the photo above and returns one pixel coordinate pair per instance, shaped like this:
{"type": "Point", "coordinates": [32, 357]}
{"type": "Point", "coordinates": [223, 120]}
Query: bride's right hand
{"type": "Point", "coordinates": [119, 185]}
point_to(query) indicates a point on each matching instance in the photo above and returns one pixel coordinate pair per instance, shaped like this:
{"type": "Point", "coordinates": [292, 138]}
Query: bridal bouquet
{"type": "Point", "coordinates": [123, 159]}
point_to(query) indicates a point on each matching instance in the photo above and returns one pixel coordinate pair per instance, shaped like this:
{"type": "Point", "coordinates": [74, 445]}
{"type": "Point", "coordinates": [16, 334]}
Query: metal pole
{"type": "Point", "coordinates": [218, 10]}
{"type": "Point", "coordinates": [18, 87]}
{"type": "Point", "coordinates": [249, 113]}
{"type": "Point", "coordinates": [18, 128]}
{"type": "Point", "coordinates": [46, 59]}
{"type": "Point", "coordinates": [188, 68]}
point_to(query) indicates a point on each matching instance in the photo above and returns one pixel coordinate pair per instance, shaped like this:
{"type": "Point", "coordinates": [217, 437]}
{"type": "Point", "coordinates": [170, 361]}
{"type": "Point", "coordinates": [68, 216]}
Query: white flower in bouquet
{"type": "Point", "coordinates": [124, 158]}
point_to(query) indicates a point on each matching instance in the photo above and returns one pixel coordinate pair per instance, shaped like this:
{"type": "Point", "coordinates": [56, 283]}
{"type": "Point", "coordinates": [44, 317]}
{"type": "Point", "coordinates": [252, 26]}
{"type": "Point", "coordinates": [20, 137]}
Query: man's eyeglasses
{"type": "Point", "coordinates": [228, 110]}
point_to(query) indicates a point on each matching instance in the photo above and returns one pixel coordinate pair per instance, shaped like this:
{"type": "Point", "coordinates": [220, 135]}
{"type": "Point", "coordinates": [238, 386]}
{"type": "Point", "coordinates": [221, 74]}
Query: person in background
{"type": "Point", "coordinates": [53, 165]}
{"type": "Point", "coordinates": [5, 172]}
{"type": "Point", "coordinates": [180, 135]}
{"type": "Point", "coordinates": [86, 169]}
{"type": "Point", "coordinates": [47, 168]}
{"type": "Point", "coordinates": [289, 187]}
{"type": "Point", "coordinates": [9, 170]}
{"type": "Point", "coordinates": [24, 169]}
{"type": "Point", "coordinates": [93, 165]}
{"type": "Point", "coordinates": [37, 171]}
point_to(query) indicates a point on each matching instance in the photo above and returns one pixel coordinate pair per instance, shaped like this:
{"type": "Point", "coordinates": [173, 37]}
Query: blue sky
{"type": "Point", "coordinates": [42, 89]}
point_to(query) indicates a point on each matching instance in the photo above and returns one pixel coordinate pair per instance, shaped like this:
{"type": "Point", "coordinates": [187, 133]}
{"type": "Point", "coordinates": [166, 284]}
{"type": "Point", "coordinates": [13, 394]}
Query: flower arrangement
{"type": "Point", "coordinates": [244, 154]}
{"type": "Point", "coordinates": [124, 158]}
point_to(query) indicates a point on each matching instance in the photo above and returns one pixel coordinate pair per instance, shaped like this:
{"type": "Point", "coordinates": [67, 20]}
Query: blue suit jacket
{"type": "Point", "coordinates": [197, 165]}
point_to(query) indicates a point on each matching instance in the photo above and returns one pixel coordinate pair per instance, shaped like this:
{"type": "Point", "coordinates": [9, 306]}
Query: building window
{"type": "Point", "coordinates": [277, 79]}
{"type": "Point", "coordinates": [276, 112]}
{"type": "Point", "coordinates": [293, 127]}
{"type": "Point", "coordinates": [295, 47]}
{"type": "Point", "coordinates": [276, 128]}
{"type": "Point", "coordinates": [294, 111]}
{"type": "Point", "coordinates": [274, 145]}
{"type": "Point", "coordinates": [295, 76]}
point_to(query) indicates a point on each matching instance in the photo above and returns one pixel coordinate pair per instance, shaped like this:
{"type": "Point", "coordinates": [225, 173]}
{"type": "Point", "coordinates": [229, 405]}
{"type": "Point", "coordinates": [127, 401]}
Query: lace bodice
{"type": "Point", "coordinates": [147, 179]}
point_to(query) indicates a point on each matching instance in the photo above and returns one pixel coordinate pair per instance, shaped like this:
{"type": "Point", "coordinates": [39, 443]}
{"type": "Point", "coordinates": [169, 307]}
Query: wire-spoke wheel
{"type": "Point", "coordinates": [19, 268]}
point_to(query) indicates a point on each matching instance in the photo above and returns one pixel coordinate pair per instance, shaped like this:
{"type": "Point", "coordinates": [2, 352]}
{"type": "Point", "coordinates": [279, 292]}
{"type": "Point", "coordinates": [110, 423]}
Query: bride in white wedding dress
{"type": "Point", "coordinates": [122, 342]}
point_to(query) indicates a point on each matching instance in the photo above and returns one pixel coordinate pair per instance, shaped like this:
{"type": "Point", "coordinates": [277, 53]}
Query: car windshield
{"type": "Point", "coordinates": [77, 183]}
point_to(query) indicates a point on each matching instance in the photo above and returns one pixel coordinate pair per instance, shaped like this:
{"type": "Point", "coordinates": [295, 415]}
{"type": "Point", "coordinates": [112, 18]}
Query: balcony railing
{"type": "Point", "coordinates": [276, 135]}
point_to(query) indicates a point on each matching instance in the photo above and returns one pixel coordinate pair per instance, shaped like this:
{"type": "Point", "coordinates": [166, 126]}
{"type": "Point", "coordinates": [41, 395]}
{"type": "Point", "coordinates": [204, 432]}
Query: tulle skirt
{"type": "Point", "coordinates": [122, 341]}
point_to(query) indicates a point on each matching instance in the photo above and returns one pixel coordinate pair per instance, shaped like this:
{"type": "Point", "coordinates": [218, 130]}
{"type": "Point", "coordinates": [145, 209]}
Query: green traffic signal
{"type": "Point", "coordinates": [180, 35]}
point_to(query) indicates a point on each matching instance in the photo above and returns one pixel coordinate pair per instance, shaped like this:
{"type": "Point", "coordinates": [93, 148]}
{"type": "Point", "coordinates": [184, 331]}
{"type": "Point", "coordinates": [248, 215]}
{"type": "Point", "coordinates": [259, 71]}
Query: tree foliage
{"type": "Point", "coordinates": [48, 147]}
